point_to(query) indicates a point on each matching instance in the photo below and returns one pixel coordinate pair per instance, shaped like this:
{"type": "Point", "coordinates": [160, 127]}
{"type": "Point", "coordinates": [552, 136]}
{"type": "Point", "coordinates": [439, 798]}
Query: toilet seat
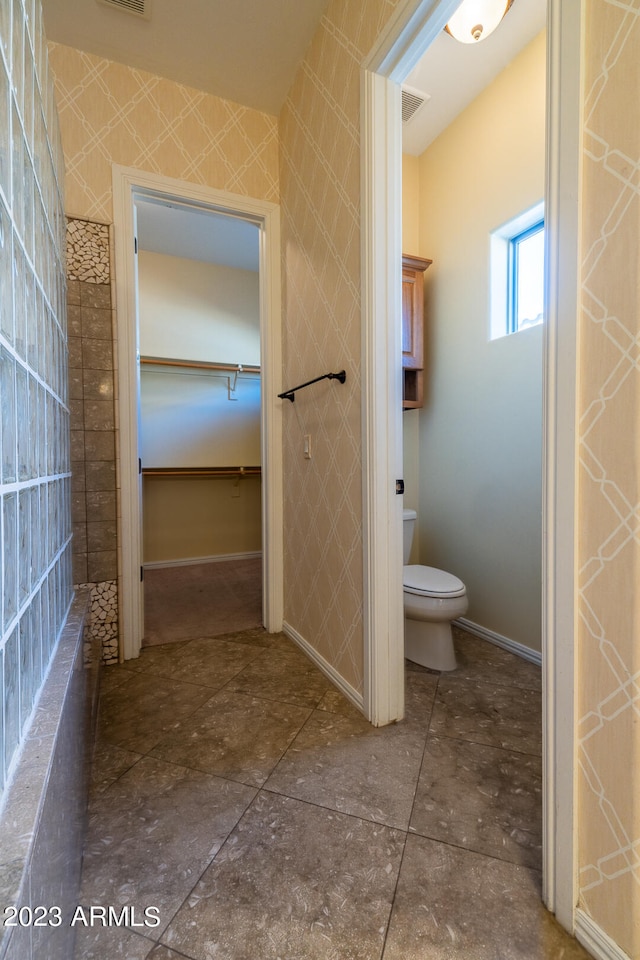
{"type": "Point", "coordinates": [431, 582]}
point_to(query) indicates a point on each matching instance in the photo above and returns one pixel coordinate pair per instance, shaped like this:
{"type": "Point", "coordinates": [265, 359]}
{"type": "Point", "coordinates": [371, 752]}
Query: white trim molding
{"type": "Point", "coordinates": [595, 940]}
{"type": "Point", "coordinates": [411, 29]}
{"type": "Point", "coordinates": [130, 184]}
{"type": "Point", "coordinates": [382, 408]}
{"type": "Point", "coordinates": [519, 649]}
{"type": "Point", "coordinates": [336, 679]}
{"type": "Point", "coordinates": [565, 46]}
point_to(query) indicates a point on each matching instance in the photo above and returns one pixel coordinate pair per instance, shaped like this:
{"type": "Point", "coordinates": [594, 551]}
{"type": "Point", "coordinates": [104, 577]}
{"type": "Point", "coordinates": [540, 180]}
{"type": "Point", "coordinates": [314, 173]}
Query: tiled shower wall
{"type": "Point", "coordinates": [36, 482]}
{"type": "Point", "coordinates": [91, 390]}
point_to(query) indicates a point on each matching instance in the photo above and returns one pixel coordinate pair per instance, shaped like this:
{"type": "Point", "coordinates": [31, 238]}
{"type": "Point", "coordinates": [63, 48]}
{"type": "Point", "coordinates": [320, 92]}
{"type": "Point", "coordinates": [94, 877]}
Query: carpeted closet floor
{"type": "Point", "coordinates": [201, 599]}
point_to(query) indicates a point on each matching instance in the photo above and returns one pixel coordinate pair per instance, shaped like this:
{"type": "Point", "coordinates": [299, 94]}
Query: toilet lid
{"type": "Point", "coordinates": [431, 582]}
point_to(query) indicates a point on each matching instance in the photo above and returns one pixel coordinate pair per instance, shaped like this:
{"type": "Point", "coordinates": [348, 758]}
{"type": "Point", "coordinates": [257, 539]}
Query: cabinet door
{"type": "Point", "coordinates": [413, 311]}
{"type": "Point", "coordinates": [413, 269]}
{"type": "Point", "coordinates": [412, 343]}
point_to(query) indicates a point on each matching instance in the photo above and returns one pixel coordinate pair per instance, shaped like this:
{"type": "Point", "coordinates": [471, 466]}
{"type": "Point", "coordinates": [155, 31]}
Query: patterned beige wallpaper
{"type": "Point", "coordinates": [320, 191]}
{"type": "Point", "coordinates": [609, 499]}
{"type": "Point", "coordinates": [113, 113]}
{"type": "Point", "coordinates": [110, 113]}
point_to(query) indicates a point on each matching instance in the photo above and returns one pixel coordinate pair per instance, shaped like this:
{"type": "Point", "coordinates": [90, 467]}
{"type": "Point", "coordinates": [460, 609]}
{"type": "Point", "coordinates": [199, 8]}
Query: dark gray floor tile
{"type": "Point", "coordinates": [335, 702]}
{"type": "Point", "coordinates": [136, 715]}
{"type": "Point", "coordinates": [282, 673]}
{"type": "Point", "coordinates": [110, 943]}
{"type": "Point", "coordinates": [500, 716]}
{"type": "Point", "coordinates": [258, 637]}
{"type": "Point", "coordinates": [452, 904]}
{"type": "Point", "coordinates": [480, 660]}
{"type": "Point", "coordinates": [209, 661]}
{"type": "Point", "coordinates": [482, 798]}
{"type": "Point", "coordinates": [346, 764]}
{"type": "Point", "coordinates": [109, 763]}
{"type": "Point", "coordinates": [153, 832]}
{"type": "Point", "coordinates": [419, 698]}
{"type": "Point", "coordinates": [234, 736]}
{"type": "Point", "coordinates": [114, 675]}
{"type": "Point", "coordinates": [164, 953]}
{"type": "Point", "coordinates": [293, 881]}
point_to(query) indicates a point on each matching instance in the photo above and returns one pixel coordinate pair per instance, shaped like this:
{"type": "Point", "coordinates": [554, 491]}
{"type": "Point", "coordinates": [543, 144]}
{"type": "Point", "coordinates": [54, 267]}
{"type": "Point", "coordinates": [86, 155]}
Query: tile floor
{"type": "Point", "coordinates": [237, 792]}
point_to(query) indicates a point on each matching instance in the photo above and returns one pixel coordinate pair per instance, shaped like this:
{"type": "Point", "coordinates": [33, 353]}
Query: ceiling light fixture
{"type": "Point", "coordinates": [476, 19]}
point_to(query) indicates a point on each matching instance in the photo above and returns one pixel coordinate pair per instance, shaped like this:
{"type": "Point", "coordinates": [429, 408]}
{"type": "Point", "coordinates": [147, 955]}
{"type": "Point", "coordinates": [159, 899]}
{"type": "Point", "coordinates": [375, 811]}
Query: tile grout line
{"type": "Point", "coordinates": [408, 830]}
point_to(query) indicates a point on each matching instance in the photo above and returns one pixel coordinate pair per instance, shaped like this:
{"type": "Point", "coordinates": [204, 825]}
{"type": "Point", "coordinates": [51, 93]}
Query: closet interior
{"type": "Point", "coordinates": [199, 341]}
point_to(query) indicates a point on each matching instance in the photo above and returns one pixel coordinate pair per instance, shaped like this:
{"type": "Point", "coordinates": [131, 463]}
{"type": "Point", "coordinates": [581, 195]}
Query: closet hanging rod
{"type": "Point", "coordinates": [291, 394]}
{"type": "Point", "coordinates": [201, 471]}
{"type": "Point", "coordinates": [201, 364]}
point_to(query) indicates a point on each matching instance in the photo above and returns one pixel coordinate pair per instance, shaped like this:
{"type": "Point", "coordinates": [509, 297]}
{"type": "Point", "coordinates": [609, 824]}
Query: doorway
{"type": "Point", "coordinates": [131, 188]}
{"type": "Point", "coordinates": [408, 36]}
{"type": "Point", "coordinates": [199, 335]}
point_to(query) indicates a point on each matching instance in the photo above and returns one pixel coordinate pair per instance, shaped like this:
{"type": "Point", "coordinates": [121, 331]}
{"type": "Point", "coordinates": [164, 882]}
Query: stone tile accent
{"type": "Point", "coordinates": [102, 623]}
{"type": "Point", "coordinates": [93, 426]}
{"type": "Point", "coordinates": [88, 251]}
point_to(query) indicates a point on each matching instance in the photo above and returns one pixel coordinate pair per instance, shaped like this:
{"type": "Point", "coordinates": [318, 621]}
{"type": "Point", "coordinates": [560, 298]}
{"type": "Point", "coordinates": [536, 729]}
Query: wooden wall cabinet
{"type": "Point", "coordinates": [413, 270]}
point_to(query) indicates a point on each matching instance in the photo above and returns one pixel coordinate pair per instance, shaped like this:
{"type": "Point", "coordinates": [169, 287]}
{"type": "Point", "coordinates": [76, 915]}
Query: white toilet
{"type": "Point", "coordinates": [432, 599]}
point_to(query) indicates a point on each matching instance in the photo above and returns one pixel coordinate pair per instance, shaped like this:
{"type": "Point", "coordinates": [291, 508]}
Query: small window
{"type": "Point", "coordinates": [526, 278]}
{"type": "Point", "coordinates": [517, 274]}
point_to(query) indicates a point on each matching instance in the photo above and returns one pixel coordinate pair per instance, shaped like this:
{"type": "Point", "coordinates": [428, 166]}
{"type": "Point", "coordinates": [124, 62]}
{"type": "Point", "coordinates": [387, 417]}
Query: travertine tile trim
{"type": "Point", "coordinates": [102, 624]}
{"type": "Point", "coordinates": [88, 251]}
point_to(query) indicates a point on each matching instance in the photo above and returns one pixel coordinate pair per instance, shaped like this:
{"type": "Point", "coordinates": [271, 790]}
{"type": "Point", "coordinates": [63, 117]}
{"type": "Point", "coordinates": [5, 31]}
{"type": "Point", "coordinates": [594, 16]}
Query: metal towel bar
{"type": "Point", "coordinates": [290, 394]}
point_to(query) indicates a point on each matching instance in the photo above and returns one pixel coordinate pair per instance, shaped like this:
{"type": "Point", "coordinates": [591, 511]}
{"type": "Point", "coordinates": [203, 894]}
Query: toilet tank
{"type": "Point", "coordinates": [408, 526]}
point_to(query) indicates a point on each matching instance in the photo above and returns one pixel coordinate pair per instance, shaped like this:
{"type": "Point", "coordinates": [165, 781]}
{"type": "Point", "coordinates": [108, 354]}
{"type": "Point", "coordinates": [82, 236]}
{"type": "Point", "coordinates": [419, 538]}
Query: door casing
{"type": "Point", "coordinates": [411, 29]}
{"type": "Point", "coordinates": [128, 184]}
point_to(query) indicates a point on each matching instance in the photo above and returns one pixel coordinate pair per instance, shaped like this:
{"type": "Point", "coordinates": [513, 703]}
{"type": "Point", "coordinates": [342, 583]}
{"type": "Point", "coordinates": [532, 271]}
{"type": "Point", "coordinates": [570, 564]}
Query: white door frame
{"type": "Point", "coordinates": [129, 183]}
{"type": "Point", "coordinates": [409, 33]}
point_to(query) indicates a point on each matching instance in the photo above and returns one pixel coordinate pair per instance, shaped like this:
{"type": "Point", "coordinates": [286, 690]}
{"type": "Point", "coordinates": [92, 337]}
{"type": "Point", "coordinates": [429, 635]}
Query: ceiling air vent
{"type": "Point", "coordinates": [412, 101]}
{"type": "Point", "coordinates": [141, 8]}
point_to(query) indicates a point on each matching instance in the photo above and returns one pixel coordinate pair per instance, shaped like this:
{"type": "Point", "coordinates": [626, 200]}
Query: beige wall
{"type": "Point", "coordinates": [186, 519]}
{"type": "Point", "coordinates": [411, 418]}
{"type": "Point", "coordinates": [110, 113]}
{"type": "Point", "coordinates": [609, 496]}
{"type": "Point", "coordinates": [410, 204]}
{"type": "Point", "coordinates": [480, 431]}
{"type": "Point", "coordinates": [188, 418]}
{"type": "Point", "coordinates": [320, 168]}
{"type": "Point", "coordinates": [320, 188]}
{"type": "Point", "coordinates": [198, 310]}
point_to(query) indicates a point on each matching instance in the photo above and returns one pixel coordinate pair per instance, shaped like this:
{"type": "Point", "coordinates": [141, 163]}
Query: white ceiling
{"type": "Point", "coordinates": [453, 73]}
{"type": "Point", "coordinates": [242, 50]}
{"type": "Point", "coordinates": [193, 234]}
{"type": "Point", "coordinates": [248, 51]}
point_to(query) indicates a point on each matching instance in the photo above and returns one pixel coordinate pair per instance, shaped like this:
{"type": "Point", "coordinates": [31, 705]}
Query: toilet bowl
{"type": "Point", "coordinates": [432, 599]}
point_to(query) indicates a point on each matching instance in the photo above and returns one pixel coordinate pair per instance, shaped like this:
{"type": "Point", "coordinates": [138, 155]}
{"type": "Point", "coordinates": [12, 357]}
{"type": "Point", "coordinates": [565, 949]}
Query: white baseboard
{"type": "Point", "coordinates": [350, 692]}
{"type": "Point", "coordinates": [191, 561]}
{"type": "Point", "coordinates": [533, 656]}
{"type": "Point", "coordinates": [595, 940]}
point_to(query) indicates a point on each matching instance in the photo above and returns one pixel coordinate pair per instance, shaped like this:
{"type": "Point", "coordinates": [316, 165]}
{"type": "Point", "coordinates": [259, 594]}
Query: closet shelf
{"type": "Point", "coordinates": [200, 364]}
{"type": "Point", "coordinates": [201, 471]}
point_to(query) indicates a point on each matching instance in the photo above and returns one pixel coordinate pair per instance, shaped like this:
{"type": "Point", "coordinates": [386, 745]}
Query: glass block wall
{"type": "Point", "coordinates": [35, 488]}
